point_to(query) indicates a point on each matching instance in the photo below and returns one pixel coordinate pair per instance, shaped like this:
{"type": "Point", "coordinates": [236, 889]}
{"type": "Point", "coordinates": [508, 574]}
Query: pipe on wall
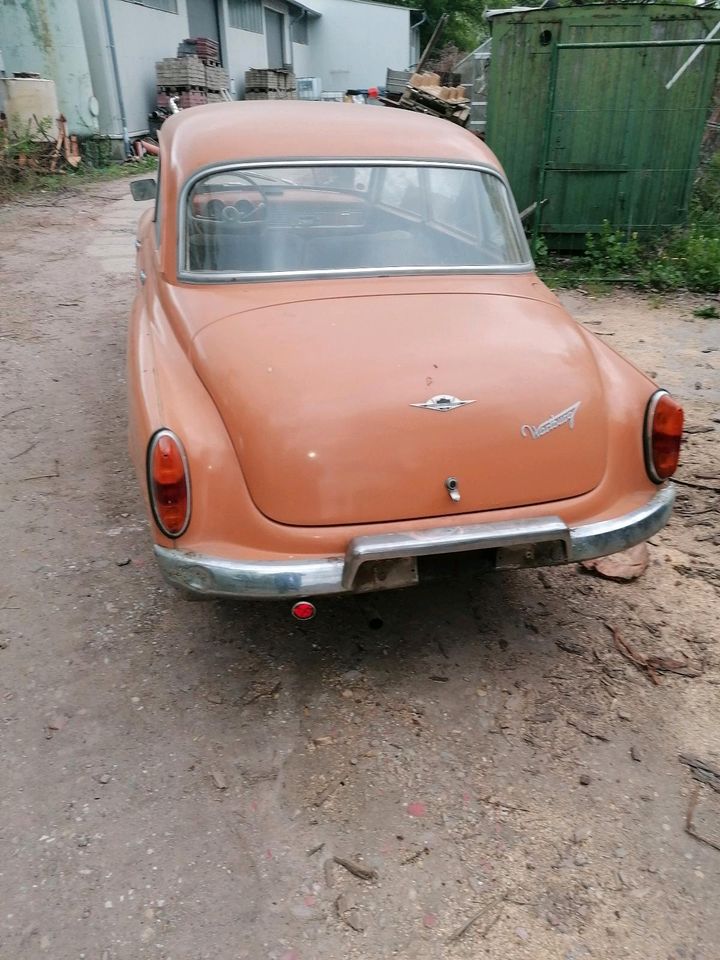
{"type": "Point", "coordinates": [116, 75]}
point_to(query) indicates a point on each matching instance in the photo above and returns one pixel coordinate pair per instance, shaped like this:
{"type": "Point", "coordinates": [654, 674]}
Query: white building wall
{"type": "Point", "coordinates": [355, 41]}
{"type": "Point", "coordinates": [244, 50]}
{"type": "Point", "coordinates": [302, 58]}
{"type": "Point", "coordinates": [37, 36]}
{"type": "Point", "coordinates": [350, 46]}
{"type": "Point", "coordinates": [142, 37]}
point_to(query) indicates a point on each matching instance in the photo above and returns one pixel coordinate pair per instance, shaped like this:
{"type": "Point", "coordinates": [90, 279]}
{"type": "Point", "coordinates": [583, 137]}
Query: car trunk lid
{"type": "Point", "coordinates": [329, 405]}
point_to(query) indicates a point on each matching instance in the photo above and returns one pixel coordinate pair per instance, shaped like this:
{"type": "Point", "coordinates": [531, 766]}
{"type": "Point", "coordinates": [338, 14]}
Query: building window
{"type": "Point", "coordinates": [300, 29]}
{"type": "Point", "coordinates": [246, 15]}
{"type": "Point", "coordinates": [169, 6]}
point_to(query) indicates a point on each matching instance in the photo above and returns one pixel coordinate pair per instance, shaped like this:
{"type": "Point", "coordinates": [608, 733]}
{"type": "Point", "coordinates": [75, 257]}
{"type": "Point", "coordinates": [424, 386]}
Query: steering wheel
{"type": "Point", "coordinates": [244, 210]}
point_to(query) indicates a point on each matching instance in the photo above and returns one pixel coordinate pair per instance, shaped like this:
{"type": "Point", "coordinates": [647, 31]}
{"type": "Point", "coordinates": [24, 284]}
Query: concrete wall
{"type": "Point", "coordinates": [142, 37]}
{"type": "Point", "coordinates": [45, 37]}
{"type": "Point", "coordinates": [333, 52]}
{"type": "Point", "coordinates": [302, 55]}
{"type": "Point", "coordinates": [350, 46]}
{"type": "Point", "coordinates": [245, 49]}
{"type": "Point", "coordinates": [354, 42]}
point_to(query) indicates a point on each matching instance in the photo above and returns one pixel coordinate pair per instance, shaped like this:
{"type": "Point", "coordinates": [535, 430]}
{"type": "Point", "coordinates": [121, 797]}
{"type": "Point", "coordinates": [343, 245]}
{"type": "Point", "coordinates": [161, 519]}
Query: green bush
{"type": "Point", "coordinates": [706, 196]}
{"type": "Point", "coordinates": [699, 257]}
{"type": "Point", "coordinates": [687, 259]}
{"type": "Point", "coordinates": [611, 252]}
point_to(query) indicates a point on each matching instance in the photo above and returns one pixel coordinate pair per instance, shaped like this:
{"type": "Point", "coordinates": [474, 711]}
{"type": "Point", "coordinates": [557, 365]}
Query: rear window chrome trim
{"type": "Point", "coordinates": [200, 277]}
{"type": "Point", "coordinates": [205, 278]}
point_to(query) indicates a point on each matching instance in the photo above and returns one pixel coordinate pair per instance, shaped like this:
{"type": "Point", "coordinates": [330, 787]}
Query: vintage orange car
{"type": "Point", "coordinates": [345, 375]}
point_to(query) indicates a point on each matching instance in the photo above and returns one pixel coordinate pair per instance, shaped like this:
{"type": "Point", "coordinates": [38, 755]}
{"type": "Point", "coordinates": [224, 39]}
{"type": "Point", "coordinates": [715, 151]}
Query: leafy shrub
{"type": "Point", "coordinates": [687, 259]}
{"type": "Point", "coordinates": [611, 252]}
{"type": "Point", "coordinates": [706, 196]}
{"type": "Point", "coordinates": [699, 256]}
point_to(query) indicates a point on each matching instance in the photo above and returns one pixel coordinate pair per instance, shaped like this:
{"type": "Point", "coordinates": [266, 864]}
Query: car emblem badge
{"type": "Point", "coordinates": [442, 402]}
{"type": "Point", "coordinates": [556, 420]}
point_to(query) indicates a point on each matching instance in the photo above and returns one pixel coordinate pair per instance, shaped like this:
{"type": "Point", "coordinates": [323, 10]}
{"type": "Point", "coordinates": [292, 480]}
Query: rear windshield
{"type": "Point", "coordinates": [323, 219]}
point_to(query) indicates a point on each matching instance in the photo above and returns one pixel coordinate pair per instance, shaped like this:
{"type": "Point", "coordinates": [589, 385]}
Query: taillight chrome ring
{"type": "Point", "coordinates": [648, 434]}
{"type": "Point", "coordinates": [154, 440]}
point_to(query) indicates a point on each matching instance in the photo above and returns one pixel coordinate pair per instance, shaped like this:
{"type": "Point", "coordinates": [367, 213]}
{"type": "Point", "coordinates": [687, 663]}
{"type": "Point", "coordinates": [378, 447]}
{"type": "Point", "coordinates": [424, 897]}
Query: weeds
{"type": "Point", "coordinates": [685, 259]}
{"type": "Point", "coordinates": [34, 182]}
{"type": "Point", "coordinates": [33, 158]}
{"type": "Point", "coordinates": [707, 313]}
{"type": "Point", "coordinates": [611, 252]}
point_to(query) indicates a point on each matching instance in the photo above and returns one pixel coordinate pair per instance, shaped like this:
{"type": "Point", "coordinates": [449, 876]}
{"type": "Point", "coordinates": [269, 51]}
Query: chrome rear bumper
{"type": "Point", "coordinates": [390, 560]}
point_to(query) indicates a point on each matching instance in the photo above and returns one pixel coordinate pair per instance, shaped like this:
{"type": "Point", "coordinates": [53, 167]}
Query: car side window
{"type": "Point", "coordinates": [505, 245]}
{"type": "Point", "coordinates": [453, 199]}
{"type": "Point", "coordinates": [401, 189]}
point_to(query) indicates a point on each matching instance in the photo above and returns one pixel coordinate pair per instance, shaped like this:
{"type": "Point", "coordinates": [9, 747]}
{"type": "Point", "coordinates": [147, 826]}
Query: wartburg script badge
{"type": "Point", "coordinates": [556, 420]}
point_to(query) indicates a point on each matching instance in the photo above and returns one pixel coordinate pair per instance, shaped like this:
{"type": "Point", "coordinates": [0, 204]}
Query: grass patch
{"type": "Point", "coordinates": [707, 313]}
{"type": "Point", "coordinates": [15, 184]}
{"type": "Point", "coordinates": [685, 259]}
{"type": "Point", "coordinates": [29, 154]}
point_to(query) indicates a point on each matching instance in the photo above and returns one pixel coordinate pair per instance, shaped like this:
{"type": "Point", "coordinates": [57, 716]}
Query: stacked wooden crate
{"type": "Point", "coordinates": [203, 47]}
{"type": "Point", "coordinates": [216, 81]}
{"type": "Point", "coordinates": [183, 78]}
{"type": "Point", "coordinates": [270, 85]}
{"type": "Point", "coordinates": [194, 77]}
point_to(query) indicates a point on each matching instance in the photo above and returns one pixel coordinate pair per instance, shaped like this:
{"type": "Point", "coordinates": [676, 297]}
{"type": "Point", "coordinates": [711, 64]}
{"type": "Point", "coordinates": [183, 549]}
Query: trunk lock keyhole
{"type": "Point", "coordinates": [453, 489]}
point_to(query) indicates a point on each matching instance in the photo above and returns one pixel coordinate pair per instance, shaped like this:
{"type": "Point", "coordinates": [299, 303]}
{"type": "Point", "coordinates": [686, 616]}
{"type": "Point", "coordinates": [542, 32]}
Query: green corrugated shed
{"type": "Point", "coordinates": [620, 146]}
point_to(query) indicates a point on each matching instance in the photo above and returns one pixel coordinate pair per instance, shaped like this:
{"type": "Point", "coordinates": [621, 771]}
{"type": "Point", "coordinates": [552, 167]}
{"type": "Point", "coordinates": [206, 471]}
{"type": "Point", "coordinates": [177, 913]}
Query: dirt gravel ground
{"type": "Point", "coordinates": [177, 778]}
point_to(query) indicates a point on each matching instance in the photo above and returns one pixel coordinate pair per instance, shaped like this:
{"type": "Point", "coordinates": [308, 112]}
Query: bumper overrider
{"type": "Point", "coordinates": [390, 560]}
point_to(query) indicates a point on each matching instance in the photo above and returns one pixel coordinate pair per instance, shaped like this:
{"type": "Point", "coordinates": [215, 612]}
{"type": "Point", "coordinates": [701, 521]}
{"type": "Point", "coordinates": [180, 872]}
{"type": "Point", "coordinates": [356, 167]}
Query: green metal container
{"type": "Point", "coordinates": [601, 134]}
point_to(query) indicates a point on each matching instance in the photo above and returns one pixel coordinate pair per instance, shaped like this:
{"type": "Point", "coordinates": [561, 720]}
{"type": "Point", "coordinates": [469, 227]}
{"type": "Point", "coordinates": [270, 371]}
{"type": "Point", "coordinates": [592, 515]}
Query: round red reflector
{"type": "Point", "coordinates": [663, 436]}
{"type": "Point", "coordinates": [169, 483]}
{"type": "Point", "coordinates": [303, 610]}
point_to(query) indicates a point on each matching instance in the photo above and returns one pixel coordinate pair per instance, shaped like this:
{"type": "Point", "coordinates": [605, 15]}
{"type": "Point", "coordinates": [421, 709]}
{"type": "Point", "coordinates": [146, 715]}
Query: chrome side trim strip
{"type": "Point", "coordinates": [216, 577]}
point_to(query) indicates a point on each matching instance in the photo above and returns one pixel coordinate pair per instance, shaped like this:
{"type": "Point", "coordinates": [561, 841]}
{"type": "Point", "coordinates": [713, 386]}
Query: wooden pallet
{"type": "Point", "coordinates": [216, 77]}
{"type": "Point", "coordinates": [180, 72]}
{"type": "Point", "coordinates": [269, 80]}
{"type": "Point", "coordinates": [435, 101]}
{"type": "Point", "coordinates": [271, 94]}
{"type": "Point", "coordinates": [202, 47]}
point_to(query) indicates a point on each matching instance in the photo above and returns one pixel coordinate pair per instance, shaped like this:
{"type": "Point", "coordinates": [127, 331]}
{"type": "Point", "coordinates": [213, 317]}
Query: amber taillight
{"type": "Point", "coordinates": [169, 483]}
{"type": "Point", "coordinates": [663, 435]}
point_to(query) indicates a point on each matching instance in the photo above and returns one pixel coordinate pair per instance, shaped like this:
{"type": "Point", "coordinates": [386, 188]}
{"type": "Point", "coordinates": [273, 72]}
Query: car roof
{"type": "Point", "coordinates": [286, 130]}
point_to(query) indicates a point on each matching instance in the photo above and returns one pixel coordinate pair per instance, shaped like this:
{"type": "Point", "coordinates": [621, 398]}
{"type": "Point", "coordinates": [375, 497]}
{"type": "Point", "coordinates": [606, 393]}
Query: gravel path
{"type": "Point", "coordinates": [203, 781]}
